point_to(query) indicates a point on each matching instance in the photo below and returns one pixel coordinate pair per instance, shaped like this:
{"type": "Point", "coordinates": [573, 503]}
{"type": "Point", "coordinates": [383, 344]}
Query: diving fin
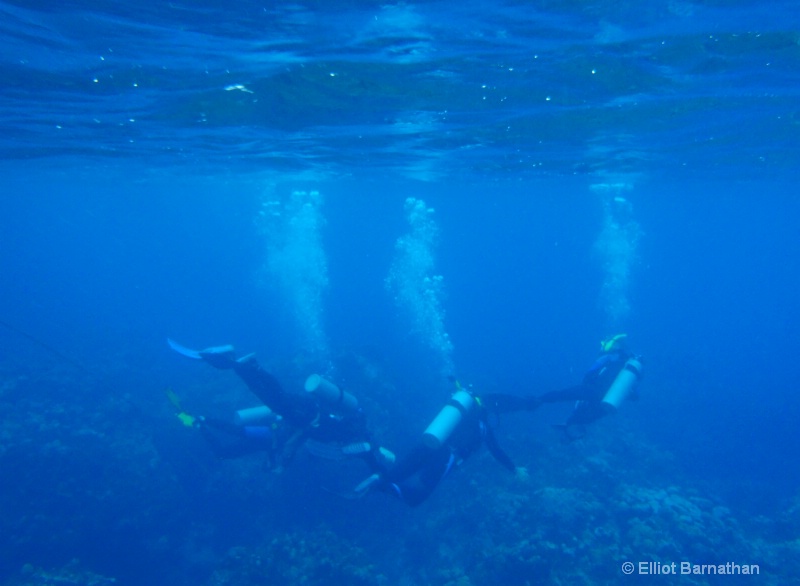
{"type": "Point", "coordinates": [173, 398]}
{"type": "Point", "coordinates": [183, 350]}
{"type": "Point", "coordinates": [186, 419]}
{"type": "Point", "coordinates": [217, 356]}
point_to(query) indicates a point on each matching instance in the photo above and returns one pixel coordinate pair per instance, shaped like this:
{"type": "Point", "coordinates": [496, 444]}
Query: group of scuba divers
{"type": "Point", "coordinates": [328, 422]}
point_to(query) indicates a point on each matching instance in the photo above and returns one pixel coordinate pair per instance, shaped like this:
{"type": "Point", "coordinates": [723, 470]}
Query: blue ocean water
{"type": "Point", "coordinates": [390, 193]}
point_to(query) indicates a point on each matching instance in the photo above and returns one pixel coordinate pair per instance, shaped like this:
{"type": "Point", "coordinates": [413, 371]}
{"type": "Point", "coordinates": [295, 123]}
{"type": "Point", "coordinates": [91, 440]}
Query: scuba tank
{"type": "Point", "coordinates": [447, 420]}
{"type": "Point", "coordinates": [331, 396]}
{"type": "Point", "coordinates": [624, 383]}
{"type": "Point", "coordinates": [261, 415]}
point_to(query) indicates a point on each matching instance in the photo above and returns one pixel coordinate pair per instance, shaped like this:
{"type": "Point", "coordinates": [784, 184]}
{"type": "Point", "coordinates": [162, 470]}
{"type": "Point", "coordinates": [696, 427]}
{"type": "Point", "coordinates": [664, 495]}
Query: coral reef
{"type": "Point", "coordinates": [316, 559]}
{"type": "Point", "coordinates": [69, 575]}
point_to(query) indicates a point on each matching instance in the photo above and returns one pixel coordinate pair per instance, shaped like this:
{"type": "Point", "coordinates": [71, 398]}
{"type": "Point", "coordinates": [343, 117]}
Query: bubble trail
{"type": "Point", "coordinates": [417, 290]}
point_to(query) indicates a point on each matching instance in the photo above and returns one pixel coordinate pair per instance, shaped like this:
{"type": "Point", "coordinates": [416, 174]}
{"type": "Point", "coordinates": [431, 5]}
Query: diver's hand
{"type": "Point", "coordinates": [521, 474]}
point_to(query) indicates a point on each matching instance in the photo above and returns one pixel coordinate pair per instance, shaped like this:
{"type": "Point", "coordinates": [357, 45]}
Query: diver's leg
{"type": "Point", "coordinates": [297, 409]}
{"type": "Point", "coordinates": [416, 489]}
{"type": "Point", "coordinates": [379, 460]}
{"type": "Point", "coordinates": [412, 478]}
{"type": "Point", "coordinates": [411, 463]}
{"type": "Point", "coordinates": [227, 440]}
{"type": "Point", "coordinates": [263, 385]}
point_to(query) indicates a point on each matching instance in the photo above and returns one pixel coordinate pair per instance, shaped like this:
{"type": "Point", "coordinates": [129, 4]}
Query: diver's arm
{"type": "Point", "coordinates": [497, 451]}
{"type": "Point", "coordinates": [505, 403]}
{"type": "Point", "coordinates": [298, 409]}
{"type": "Point", "coordinates": [581, 392]}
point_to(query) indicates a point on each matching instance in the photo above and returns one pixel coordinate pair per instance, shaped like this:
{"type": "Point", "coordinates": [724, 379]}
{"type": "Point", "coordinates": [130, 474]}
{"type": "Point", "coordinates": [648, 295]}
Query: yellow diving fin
{"type": "Point", "coordinates": [173, 398]}
{"type": "Point", "coordinates": [186, 419]}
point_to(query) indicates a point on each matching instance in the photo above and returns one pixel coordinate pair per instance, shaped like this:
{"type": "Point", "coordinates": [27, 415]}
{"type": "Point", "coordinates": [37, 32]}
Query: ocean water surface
{"type": "Point", "coordinates": [393, 195]}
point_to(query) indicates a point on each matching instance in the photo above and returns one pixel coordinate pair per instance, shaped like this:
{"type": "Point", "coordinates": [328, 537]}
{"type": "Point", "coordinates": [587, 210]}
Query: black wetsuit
{"type": "Point", "coordinates": [303, 415]}
{"type": "Point", "coordinates": [415, 477]}
{"type": "Point", "coordinates": [589, 394]}
{"type": "Point", "coordinates": [229, 440]}
{"type": "Point", "coordinates": [596, 382]}
{"type": "Point", "coordinates": [297, 409]}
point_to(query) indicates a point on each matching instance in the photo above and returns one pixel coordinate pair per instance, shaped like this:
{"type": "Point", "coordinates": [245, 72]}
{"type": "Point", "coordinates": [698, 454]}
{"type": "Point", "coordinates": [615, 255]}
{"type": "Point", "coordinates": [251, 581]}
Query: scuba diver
{"type": "Point", "coordinates": [325, 419]}
{"type": "Point", "coordinates": [612, 378]}
{"type": "Point", "coordinates": [456, 433]}
{"type": "Point", "coordinates": [257, 429]}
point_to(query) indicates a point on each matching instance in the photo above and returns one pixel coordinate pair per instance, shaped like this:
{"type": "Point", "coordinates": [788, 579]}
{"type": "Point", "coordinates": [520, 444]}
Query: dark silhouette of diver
{"type": "Point", "coordinates": [456, 433]}
{"type": "Point", "coordinates": [325, 419]}
{"type": "Point", "coordinates": [257, 429]}
{"type": "Point", "coordinates": [613, 377]}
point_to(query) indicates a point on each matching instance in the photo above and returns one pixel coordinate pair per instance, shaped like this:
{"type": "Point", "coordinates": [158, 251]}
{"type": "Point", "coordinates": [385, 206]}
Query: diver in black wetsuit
{"type": "Point", "coordinates": [232, 440]}
{"type": "Point", "coordinates": [598, 395]}
{"type": "Point", "coordinates": [458, 431]}
{"type": "Point", "coordinates": [328, 422]}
